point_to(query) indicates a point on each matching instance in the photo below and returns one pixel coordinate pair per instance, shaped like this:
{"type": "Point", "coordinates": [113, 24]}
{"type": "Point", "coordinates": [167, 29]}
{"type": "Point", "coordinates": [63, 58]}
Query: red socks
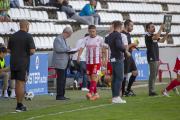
{"type": "Point", "coordinates": [95, 90]}
{"type": "Point", "coordinates": [173, 84]}
{"type": "Point", "coordinates": [93, 87]}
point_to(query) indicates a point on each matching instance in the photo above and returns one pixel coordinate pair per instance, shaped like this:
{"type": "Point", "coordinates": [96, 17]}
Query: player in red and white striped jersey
{"type": "Point", "coordinates": [93, 44]}
{"type": "Point", "coordinates": [175, 82]}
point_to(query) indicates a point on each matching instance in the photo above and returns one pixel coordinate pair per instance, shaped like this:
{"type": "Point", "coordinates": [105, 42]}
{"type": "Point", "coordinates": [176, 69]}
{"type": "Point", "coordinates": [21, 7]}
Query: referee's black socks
{"type": "Point", "coordinates": [123, 85]}
{"type": "Point", "coordinates": [131, 80]}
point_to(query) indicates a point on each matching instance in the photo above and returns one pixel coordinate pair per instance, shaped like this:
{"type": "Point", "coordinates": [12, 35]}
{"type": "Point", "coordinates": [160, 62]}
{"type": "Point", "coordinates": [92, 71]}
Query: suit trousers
{"type": "Point", "coordinates": [153, 68]}
{"type": "Point", "coordinates": [61, 82]}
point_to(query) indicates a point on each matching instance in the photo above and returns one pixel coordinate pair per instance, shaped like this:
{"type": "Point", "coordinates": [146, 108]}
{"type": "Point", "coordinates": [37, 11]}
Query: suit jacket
{"type": "Point", "coordinates": [60, 56]}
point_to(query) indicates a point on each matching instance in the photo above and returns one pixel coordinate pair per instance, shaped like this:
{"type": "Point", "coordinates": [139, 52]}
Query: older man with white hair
{"type": "Point", "coordinates": [60, 61]}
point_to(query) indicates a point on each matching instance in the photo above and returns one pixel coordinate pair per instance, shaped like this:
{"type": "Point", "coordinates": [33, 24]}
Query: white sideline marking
{"type": "Point", "coordinates": [86, 108]}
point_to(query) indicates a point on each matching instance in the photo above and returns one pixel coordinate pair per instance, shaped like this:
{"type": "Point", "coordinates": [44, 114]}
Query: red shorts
{"type": "Point", "coordinates": [93, 68]}
{"type": "Point", "coordinates": [109, 69]}
{"type": "Point", "coordinates": [177, 66]}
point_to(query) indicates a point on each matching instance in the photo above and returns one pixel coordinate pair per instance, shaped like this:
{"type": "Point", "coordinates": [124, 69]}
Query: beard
{"type": "Point", "coordinates": [130, 30]}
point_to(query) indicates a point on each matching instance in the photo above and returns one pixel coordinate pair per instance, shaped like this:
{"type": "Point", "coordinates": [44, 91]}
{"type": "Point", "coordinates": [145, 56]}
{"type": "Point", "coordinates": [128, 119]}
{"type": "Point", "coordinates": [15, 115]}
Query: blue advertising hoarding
{"type": "Point", "coordinates": [38, 72]}
{"type": "Point", "coordinates": [140, 59]}
{"type": "Point", "coordinates": [37, 79]}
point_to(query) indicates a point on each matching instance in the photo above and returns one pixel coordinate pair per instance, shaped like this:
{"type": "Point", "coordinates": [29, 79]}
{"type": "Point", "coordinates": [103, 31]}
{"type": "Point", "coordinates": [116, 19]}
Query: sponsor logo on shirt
{"type": "Point", "coordinates": [37, 63]}
{"type": "Point", "coordinates": [97, 40]}
{"type": "Point", "coordinates": [91, 46]}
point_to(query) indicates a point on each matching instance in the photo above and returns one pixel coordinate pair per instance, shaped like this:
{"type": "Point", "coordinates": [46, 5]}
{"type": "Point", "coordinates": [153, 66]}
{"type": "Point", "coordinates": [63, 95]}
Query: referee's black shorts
{"type": "Point", "coordinates": [129, 65]}
{"type": "Point", "coordinates": [19, 75]}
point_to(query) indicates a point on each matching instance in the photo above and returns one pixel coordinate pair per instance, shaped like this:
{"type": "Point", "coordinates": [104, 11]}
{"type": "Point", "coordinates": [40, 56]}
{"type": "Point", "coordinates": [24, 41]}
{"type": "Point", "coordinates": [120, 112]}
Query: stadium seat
{"type": "Point", "coordinates": [6, 28]}
{"type": "Point", "coordinates": [23, 14]}
{"type": "Point", "coordinates": [2, 30]}
{"type": "Point", "coordinates": [176, 41]}
{"type": "Point", "coordinates": [138, 7]}
{"type": "Point", "coordinates": [11, 26]}
{"type": "Point", "coordinates": [31, 29]}
{"type": "Point", "coordinates": [51, 40]}
{"type": "Point", "coordinates": [39, 28]}
{"type": "Point", "coordinates": [16, 26]}
{"type": "Point", "coordinates": [47, 42]}
{"type": "Point", "coordinates": [15, 13]}
{"type": "Point", "coordinates": [160, 70]}
{"type": "Point", "coordinates": [48, 29]}
{"type": "Point", "coordinates": [27, 13]}
{"type": "Point", "coordinates": [1, 40]}
{"type": "Point", "coordinates": [61, 16]}
{"type": "Point", "coordinates": [52, 28]}
{"type": "Point", "coordinates": [35, 29]}
{"type": "Point", "coordinates": [98, 6]}
{"type": "Point", "coordinates": [42, 43]}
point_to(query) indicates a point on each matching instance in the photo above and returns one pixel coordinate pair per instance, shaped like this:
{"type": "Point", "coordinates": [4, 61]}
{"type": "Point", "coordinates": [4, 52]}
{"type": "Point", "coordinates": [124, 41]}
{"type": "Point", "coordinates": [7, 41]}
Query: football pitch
{"type": "Point", "coordinates": [141, 107]}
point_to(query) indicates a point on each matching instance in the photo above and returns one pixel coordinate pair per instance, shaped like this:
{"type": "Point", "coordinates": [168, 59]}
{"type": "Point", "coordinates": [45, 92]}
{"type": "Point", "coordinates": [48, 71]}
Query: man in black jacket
{"type": "Point", "coordinates": [114, 41]}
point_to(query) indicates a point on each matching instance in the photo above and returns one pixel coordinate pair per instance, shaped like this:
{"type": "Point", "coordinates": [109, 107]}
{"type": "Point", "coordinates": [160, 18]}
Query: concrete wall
{"type": "Point", "coordinates": [169, 55]}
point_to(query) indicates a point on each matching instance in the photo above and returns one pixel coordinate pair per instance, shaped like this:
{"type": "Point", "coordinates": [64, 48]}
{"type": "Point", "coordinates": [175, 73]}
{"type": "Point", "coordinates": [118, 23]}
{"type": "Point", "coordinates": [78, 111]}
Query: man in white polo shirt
{"type": "Point", "coordinates": [80, 66]}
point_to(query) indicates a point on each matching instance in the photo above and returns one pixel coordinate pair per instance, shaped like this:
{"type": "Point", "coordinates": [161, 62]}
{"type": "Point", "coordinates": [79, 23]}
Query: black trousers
{"type": "Point", "coordinates": [61, 82]}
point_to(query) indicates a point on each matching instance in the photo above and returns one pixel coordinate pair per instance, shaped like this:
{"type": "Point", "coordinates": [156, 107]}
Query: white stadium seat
{"type": "Point", "coordinates": [134, 7]}
{"type": "Point", "coordinates": [6, 28]}
{"type": "Point", "coordinates": [1, 40]}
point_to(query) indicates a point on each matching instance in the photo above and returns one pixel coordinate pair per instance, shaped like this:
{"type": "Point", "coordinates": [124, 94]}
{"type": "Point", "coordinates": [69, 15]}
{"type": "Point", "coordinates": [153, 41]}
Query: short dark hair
{"type": "Point", "coordinates": [127, 22]}
{"type": "Point", "coordinates": [87, 34]}
{"type": "Point", "coordinates": [91, 27]}
{"type": "Point", "coordinates": [148, 25]}
{"type": "Point", "coordinates": [3, 49]}
{"type": "Point", "coordinates": [114, 21]}
{"type": "Point", "coordinates": [117, 24]}
{"type": "Point", "coordinates": [65, 3]}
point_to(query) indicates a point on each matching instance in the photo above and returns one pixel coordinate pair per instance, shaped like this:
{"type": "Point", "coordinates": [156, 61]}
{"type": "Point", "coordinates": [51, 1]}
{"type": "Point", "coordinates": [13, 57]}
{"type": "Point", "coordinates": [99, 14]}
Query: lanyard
{"type": "Point", "coordinates": [91, 8]}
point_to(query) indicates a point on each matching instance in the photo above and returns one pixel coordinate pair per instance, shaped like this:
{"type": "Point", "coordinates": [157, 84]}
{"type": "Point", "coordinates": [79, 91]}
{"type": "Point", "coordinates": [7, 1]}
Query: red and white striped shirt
{"type": "Point", "coordinates": [93, 49]}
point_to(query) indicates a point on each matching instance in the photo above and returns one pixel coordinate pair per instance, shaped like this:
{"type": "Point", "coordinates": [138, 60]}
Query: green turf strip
{"type": "Point", "coordinates": [141, 107]}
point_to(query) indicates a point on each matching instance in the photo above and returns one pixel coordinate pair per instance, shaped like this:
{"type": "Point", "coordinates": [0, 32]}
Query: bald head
{"type": "Point", "coordinates": [24, 23]}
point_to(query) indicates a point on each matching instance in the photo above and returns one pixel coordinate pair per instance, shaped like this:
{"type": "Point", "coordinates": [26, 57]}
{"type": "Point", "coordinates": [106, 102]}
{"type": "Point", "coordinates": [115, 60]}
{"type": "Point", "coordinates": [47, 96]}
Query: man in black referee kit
{"type": "Point", "coordinates": [20, 46]}
{"type": "Point", "coordinates": [153, 53]}
{"type": "Point", "coordinates": [129, 64]}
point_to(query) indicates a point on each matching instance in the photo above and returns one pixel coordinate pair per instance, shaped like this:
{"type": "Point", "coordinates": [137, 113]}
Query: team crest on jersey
{"type": "Point", "coordinates": [95, 66]}
{"type": "Point", "coordinates": [86, 39]}
{"type": "Point", "coordinates": [109, 71]}
{"type": "Point", "coordinates": [87, 72]}
{"type": "Point", "coordinates": [97, 40]}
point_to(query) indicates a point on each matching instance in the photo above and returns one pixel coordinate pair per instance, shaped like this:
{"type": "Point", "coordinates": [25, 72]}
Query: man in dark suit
{"type": "Point", "coordinates": [60, 61]}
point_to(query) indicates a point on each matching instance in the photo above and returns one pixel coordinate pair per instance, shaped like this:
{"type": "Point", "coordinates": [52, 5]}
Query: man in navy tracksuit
{"type": "Point", "coordinates": [114, 41]}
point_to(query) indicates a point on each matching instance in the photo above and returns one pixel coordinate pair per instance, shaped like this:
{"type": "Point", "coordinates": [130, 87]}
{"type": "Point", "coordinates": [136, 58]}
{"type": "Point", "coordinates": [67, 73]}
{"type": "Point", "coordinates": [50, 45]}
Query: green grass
{"type": "Point", "coordinates": [141, 107]}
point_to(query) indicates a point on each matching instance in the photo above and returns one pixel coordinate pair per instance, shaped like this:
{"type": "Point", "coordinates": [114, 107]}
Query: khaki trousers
{"type": "Point", "coordinates": [5, 76]}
